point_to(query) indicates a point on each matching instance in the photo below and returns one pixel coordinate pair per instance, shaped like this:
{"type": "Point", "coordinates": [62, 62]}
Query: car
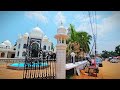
{"type": "Point", "coordinates": [114, 60]}
{"type": "Point", "coordinates": [110, 58]}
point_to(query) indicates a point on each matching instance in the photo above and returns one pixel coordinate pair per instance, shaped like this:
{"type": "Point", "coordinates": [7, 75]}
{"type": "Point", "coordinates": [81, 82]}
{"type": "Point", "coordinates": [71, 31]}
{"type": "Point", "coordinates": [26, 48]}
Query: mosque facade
{"type": "Point", "coordinates": [18, 50]}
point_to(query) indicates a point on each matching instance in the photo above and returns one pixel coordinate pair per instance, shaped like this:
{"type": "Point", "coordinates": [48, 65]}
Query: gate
{"type": "Point", "coordinates": [39, 64]}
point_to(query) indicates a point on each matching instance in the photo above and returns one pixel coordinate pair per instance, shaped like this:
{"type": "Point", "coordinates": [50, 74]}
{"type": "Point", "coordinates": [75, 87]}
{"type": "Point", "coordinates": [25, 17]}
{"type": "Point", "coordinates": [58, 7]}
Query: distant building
{"type": "Point", "coordinates": [36, 33]}
{"type": "Point", "coordinates": [18, 51]}
{"type": "Point", "coordinates": [7, 50]}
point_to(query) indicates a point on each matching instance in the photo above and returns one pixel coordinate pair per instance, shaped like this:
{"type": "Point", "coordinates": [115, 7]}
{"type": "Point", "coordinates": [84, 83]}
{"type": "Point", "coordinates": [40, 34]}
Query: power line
{"type": "Point", "coordinates": [95, 28]}
{"type": "Point", "coordinates": [92, 31]}
{"type": "Point", "coordinates": [90, 22]}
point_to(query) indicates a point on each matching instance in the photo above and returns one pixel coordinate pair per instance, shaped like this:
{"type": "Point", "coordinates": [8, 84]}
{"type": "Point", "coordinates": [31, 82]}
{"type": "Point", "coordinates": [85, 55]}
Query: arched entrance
{"type": "Point", "coordinates": [38, 64]}
{"type": "Point", "coordinates": [35, 48]}
{"type": "Point", "coordinates": [2, 54]}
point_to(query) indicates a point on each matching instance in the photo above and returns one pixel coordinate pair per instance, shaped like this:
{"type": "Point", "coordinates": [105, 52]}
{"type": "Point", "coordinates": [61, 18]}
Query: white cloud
{"type": "Point", "coordinates": [85, 17]}
{"type": "Point", "coordinates": [39, 15]}
{"type": "Point", "coordinates": [107, 25]}
{"type": "Point", "coordinates": [60, 18]}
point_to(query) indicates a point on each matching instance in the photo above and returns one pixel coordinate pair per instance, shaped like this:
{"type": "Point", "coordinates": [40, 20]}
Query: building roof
{"type": "Point", "coordinates": [61, 30]}
{"type": "Point", "coordinates": [7, 42]}
{"type": "Point", "coordinates": [2, 45]}
{"type": "Point", "coordinates": [36, 33]}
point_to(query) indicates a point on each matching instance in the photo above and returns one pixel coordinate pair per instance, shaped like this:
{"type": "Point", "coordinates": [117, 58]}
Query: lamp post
{"type": "Point", "coordinates": [73, 60]}
{"type": "Point", "coordinates": [73, 57]}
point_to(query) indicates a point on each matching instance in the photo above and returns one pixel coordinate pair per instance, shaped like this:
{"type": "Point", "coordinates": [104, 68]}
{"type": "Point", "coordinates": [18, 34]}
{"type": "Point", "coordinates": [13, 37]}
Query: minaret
{"type": "Point", "coordinates": [61, 46]}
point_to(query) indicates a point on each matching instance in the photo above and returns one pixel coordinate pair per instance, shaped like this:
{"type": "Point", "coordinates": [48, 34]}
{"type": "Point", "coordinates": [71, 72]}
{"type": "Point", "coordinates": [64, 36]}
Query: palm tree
{"type": "Point", "coordinates": [84, 40]}
{"type": "Point", "coordinates": [72, 39]}
{"type": "Point", "coordinates": [77, 40]}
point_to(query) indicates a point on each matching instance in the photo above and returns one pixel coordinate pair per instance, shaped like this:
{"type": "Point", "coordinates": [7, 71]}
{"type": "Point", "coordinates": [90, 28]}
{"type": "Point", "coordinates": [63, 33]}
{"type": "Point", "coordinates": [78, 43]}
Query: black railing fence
{"type": "Point", "coordinates": [39, 69]}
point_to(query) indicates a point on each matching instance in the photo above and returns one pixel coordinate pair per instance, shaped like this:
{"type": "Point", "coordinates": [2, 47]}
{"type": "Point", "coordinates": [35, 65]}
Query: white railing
{"type": "Point", "coordinates": [11, 60]}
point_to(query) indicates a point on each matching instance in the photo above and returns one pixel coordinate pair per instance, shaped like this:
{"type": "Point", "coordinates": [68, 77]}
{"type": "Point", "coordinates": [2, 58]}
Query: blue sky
{"type": "Point", "coordinates": [13, 23]}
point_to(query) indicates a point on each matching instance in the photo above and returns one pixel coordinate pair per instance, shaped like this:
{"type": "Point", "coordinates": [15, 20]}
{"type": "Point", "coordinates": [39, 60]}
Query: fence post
{"type": "Point", "coordinates": [73, 60]}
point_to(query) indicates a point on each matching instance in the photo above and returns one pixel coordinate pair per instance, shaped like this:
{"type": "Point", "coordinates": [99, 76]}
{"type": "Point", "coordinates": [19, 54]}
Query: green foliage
{"type": "Point", "coordinates": [69, 76]}
{"type": "Point", "coordinates": [117, 49]}
{"type": "Point", "coordinates": [106, 54]}
{"type": "Point", "coordinates": [82, 38]}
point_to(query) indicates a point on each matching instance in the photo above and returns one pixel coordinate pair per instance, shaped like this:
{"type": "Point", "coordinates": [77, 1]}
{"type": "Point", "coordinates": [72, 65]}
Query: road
{"type": "Point", "coordinates": [108, 71]}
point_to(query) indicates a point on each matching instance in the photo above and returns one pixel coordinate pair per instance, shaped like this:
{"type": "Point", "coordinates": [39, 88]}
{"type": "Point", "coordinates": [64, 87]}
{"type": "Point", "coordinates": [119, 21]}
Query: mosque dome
{"type": "Point", "coordinates": [61, 29]}
{"type": "Point", "coordinates": [2, 45]}
{"type": "Point", "coordinates": [36, 33]}
{"type": "Point", "coordinates": [7, 43]}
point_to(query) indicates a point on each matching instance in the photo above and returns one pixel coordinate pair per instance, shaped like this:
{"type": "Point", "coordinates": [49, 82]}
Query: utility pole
{"type": "Point", "coordinates": [95, 44]}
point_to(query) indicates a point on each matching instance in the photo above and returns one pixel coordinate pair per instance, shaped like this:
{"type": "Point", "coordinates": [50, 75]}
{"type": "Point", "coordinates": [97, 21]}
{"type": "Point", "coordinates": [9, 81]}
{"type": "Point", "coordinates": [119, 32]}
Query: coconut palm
{"type": "Point", "coordinates": [83, 38]}
{"type": "Point", "coordinates": [78, 41]}
{"type": "Point", "coordinates": [71, 40]}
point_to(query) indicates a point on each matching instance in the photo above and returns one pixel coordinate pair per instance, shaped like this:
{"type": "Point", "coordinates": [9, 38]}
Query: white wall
{"type": "Point", "coordinates": [23, 41]}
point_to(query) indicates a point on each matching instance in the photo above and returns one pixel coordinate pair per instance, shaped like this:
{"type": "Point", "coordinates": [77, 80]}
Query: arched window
{"type": "Point", "coordinates": [49, 48]}
{"type": "Point", "coordinates": [62, 41]}
{"type": "Point", "coordinates": [19, 46]}
{"type": "Point", "coordinates": [44, 47]}
{"type": "Point", "coordinates": [18, 53]}
{"type": "Point", "coordinates": [24, 53]}
{"type": "Point", "coordinates": [25, 46]}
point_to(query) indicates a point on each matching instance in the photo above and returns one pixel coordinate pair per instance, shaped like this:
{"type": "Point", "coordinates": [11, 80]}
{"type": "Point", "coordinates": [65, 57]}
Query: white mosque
{"type": "Point", "coordinates": [18, 51]}
{"type": "Point", "coordinates": [7, 50]}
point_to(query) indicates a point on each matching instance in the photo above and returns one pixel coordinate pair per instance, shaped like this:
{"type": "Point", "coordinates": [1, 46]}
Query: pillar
{"type": "Point", "coordinates": [61, 61]}
{"type": "Point", "coordinates": [6, 53]}
{"type": "Point", "coordinates": [61, 39]}
{"type": "Point", "coordinates": [64, 41]}
{"type": "Point", "coordinates": [0, 54]}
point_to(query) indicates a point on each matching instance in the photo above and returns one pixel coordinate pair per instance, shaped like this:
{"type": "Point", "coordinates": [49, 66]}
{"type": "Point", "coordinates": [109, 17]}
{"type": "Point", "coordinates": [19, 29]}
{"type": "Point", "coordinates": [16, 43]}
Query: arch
{"type": "Point", "coordinates": [44, 47]}
{"type": "Point", "coordinates": [34, 48]}
{"type": "Point", "coordinates": [2, 54]}
{"type": "Point", "coordinates": [23, 53]}
{"type": "Point", "coordinates": [18, 53]}
{"type": "Point", "coordinates": [48, 47]}
{"type": "Point", "coordinates": [25, 46]}
{"type": "Point", "coordinates": [19, 46]}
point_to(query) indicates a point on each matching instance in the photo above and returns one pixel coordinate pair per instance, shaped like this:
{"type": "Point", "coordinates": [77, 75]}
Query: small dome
{"type": "Point", "coordinates": [45, 38]}
{"type": "Point", "coordinates": [19, 36]}
{"type": "Point", "coordinates": [61, 30]}
{"type": "Point", "coordinates": [26, 35]}
{"type": "Point", "coordinates": [36, 33]}
{"type": "Point", "coordinates": [2, 45]}
{"type": "Point", "coordinates": [7, 42]}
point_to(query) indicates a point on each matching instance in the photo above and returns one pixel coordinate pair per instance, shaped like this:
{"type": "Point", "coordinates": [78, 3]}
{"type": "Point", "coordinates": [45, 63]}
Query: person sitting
{"type": "Point", "coordinates": [93, 68]}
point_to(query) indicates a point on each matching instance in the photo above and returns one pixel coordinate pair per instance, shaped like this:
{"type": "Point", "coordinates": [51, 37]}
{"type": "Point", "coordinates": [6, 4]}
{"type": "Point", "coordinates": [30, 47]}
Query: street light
{"type": "Point", "coordinates": [73, 57]}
